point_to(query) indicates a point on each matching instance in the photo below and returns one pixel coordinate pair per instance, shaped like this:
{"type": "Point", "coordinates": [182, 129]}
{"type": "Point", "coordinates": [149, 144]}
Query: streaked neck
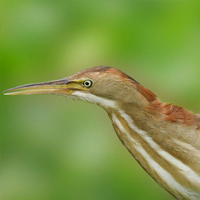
{"type": "Point", "coordinates": [148, 138]}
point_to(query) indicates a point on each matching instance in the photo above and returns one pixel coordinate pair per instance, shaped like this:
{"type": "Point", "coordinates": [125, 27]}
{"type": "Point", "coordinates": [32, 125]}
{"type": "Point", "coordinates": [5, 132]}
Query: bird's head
{"type": "Point", "coordinates": [101, 85]}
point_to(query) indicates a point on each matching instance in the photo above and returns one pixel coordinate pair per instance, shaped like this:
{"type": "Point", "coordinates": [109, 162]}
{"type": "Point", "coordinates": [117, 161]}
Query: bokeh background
{"type": "Point", "coordinates": [55, 148]}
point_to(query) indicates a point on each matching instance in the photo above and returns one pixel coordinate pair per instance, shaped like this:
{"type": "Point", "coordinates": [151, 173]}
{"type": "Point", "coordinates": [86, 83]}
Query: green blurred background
{"type": "Point", "coordinates": [55, 148]}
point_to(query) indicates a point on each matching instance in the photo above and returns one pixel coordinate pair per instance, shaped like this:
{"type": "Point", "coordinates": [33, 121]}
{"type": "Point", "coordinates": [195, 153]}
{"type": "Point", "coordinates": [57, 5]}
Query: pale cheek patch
{"type": "Point", "coordinates": [105, 103]}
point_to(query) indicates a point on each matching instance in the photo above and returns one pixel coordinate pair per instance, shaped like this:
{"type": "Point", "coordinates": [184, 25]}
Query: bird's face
{"type": "Point", "coordinates": [100, 85]}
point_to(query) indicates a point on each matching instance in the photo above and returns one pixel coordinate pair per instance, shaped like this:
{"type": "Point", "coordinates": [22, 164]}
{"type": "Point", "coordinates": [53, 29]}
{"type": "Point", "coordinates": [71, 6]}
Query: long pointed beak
{"type": "Point", "coordinates": [61, 87]}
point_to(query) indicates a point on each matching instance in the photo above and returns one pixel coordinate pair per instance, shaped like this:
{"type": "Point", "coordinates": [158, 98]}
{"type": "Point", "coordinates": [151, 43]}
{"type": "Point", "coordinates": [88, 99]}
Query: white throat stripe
{"type": "Point", "coordinates": [105, 103]}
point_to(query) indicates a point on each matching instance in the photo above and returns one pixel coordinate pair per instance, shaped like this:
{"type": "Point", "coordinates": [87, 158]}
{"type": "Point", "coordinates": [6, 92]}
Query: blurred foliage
{"type": "Point", "coordinates": [55, 148]}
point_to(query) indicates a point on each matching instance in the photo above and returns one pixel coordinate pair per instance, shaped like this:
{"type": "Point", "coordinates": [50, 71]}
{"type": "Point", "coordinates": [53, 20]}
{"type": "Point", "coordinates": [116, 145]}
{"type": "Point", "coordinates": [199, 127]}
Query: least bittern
{"type": "Point", "coordinates": [163, 138]}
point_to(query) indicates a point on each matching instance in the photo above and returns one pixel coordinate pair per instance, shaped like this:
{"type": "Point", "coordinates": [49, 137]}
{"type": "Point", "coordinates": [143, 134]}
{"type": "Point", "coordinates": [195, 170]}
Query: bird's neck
{"type": "Point", "coordinates": [160, 140]}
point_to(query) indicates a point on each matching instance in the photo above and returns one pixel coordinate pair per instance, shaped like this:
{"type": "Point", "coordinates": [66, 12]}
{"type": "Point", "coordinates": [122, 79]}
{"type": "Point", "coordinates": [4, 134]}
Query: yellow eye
{"type": "Point", "coordinates": [87, 83]}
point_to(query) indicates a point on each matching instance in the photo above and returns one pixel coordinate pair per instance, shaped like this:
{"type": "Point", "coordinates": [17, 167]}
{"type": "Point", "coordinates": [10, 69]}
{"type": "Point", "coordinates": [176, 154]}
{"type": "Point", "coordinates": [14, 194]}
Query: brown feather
{"type": "Point", "coordinates": [174, 113]}
{"type": "Point", "coordinates": [150, 96]}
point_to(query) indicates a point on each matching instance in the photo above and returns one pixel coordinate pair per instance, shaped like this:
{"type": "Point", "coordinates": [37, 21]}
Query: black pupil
{"type": "Point", "coordinates": [87, 83]}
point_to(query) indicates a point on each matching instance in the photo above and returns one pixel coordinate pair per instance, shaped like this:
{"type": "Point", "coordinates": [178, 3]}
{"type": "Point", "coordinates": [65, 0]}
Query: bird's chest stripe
{"type": "Point", "coordinates": [149, 162]}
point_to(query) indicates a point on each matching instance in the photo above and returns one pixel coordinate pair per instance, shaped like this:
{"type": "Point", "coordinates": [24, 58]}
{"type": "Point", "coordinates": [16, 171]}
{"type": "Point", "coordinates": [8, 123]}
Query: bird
{"type": "Point", "coordinates": [162, 137]}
